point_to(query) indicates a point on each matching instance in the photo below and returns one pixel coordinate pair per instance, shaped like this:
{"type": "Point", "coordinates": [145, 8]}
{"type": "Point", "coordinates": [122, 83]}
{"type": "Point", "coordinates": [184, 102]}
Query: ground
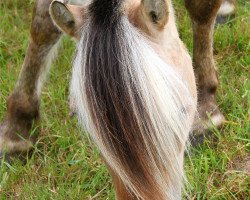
{"type": "Point", "coordinates": [64, 164]}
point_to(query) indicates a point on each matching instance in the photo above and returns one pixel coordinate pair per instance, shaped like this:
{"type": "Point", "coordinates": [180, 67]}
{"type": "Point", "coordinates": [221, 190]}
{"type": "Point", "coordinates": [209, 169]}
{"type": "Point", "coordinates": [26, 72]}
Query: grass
{"type": "Point", "coordinates": [64, 165]}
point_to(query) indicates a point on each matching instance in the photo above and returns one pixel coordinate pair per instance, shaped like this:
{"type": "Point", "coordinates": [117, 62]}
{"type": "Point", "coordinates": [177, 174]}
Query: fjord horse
{"type": "Point", "coordinates": [133, 86]}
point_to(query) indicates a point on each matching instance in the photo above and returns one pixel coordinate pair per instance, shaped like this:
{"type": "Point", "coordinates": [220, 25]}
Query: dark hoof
{"type": "Point", "coordinates": [205, 127]}
{"type": "Point", "coordinates": [226, 12]}
{"type": "Point", "coordinates": [223, 19]}
{"type": "Point", "coordinates": [12, 144]}
{"type": "Point", "coordinates": [197, 138]}
{"type": "Point", "coordinates": [21, 156]}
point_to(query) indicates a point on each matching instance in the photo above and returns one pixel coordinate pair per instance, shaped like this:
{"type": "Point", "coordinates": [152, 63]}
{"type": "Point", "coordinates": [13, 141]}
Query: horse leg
{"type": "Point", "coordinates": [203, 14]}
{"type": "Point", "coordinates": [23, 103]}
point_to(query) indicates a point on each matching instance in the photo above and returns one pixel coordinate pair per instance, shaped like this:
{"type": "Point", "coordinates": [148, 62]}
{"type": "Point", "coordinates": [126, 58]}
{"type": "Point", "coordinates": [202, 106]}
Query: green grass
{"type": "Point", "coordinates": [64, 165]}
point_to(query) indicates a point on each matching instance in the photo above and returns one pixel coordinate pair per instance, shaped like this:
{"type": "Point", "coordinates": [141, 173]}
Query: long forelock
{"type": "Point", "coordinates": [154, 95]}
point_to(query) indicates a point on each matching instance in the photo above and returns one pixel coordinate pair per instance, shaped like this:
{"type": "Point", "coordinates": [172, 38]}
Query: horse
{"type": "Point", "coordinates": [133, 86]}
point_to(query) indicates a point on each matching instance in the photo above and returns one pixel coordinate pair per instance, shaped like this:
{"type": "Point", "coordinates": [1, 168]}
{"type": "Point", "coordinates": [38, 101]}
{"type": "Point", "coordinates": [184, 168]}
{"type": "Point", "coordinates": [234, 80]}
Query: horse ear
{"type": "Point", "coordinates": [157, 11]}
{"type": "Point", "coordinates": [68, 18]}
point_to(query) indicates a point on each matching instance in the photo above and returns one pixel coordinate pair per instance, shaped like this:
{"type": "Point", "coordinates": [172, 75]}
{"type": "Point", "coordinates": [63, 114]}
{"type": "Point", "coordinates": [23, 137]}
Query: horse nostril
{"type": "Point", "coordinates": [71, 23]}
{"type": "Point", "coordinates": [153, 16]}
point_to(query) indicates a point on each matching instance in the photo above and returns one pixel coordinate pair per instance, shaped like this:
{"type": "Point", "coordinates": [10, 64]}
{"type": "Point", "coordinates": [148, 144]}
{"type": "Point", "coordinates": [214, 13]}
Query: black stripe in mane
{"type": "Point", "coordinates": [105, 11]}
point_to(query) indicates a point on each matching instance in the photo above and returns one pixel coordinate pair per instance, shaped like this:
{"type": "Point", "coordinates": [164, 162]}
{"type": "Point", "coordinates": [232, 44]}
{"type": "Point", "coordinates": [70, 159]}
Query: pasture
{"type": "Point", "coordinates": [64, 164]}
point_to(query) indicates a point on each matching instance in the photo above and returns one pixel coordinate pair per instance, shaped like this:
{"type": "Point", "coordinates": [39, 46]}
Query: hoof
{"type": "Point", "coordinates": [204, 126]}
{"type": "Point", "coordinates": [221, 19]}
{"type": "Point", "coordinates": [9, 158]}
{"type": "Point", "coordinates": [12, 144]}
{"type": "Point", "coordinates": [226, 12]}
